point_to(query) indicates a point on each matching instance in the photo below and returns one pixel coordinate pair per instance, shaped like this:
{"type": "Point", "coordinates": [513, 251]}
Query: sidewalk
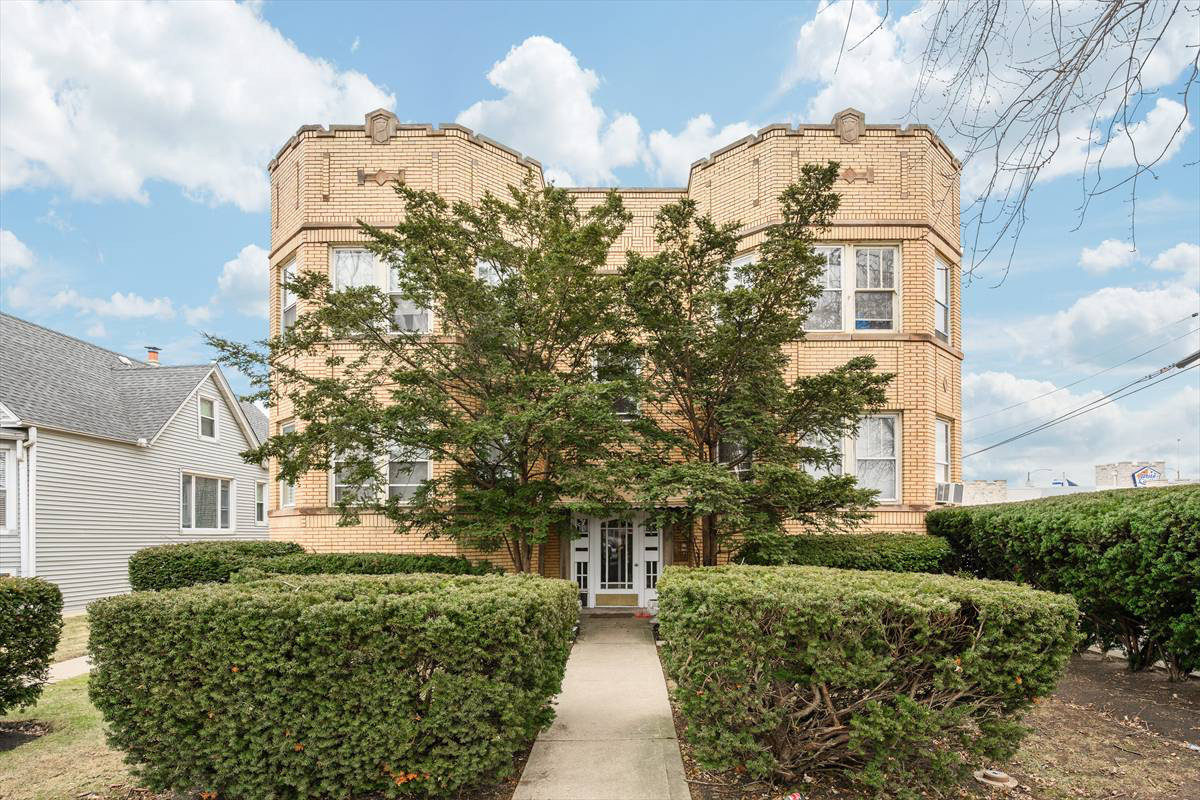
{"type": "Point", "coordinates": [71, 668]}
{"type": "Point", "coordinates": [613, 737]}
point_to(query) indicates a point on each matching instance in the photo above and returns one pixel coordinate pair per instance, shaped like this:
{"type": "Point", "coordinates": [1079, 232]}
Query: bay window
{"type": "Point", "coordinates": [205, 503]}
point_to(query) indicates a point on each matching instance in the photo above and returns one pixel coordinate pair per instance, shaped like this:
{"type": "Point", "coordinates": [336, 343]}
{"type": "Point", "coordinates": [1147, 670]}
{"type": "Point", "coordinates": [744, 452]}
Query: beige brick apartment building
{"type": "Point", "coordinates": [892, 291]}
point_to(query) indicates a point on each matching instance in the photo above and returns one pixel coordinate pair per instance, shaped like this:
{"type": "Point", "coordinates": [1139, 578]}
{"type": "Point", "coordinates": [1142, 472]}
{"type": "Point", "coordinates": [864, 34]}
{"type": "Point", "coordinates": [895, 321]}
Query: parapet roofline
{"type": "Point", "coordinates": [800, 129]}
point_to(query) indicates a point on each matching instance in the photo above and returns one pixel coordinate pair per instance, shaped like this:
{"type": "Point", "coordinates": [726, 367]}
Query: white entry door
{"type": "Point", "coordinates": [616, 561]}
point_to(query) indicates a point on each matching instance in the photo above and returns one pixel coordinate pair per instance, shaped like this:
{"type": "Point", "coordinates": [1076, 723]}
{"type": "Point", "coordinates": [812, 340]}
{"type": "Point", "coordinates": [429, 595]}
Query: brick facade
{"type": "Point", "coordinates": [899, 189]}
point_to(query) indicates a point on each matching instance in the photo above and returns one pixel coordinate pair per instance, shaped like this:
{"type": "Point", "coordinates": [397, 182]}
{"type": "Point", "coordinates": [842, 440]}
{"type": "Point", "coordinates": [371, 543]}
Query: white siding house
{"type": "Point", "coordinates": [103, 455]}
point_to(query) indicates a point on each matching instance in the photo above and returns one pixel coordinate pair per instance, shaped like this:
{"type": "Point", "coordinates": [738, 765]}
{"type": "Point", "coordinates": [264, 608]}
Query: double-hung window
{"type": "Point", "coordinates": [735, 455]}
{"type": "Point", "coordinates": [735, 278]}
{"type": "Point", "coordinates": [827, 313]}
{"type": "Point", "coordinates": [406, 315]}
{"type": "Point", "coordinates": [357, 267]}
{"type": "Point", "coordinates": [833, 451]}
{"type": "Point", "coordinates": [612, 367]}
{"type": "Point", "coordinates": [407, 470]}
{"type": "Point", "coordinates": [205, 503]}
{"type": "Point", "coordinates": [8, 479]}
{"type": "Point", "coordinates": [344, 484]}
{"type": "Point", "coordinates": [941, 299]}
{"type": "Point", "coordinates": [287, 298]}
{"type": "Point", "coordinates": [208, 417]}
{"type": "Point", "coordinates": [287, 491]}
{"type": "Point", "coordinates": [876, 456]}
{"type": "Point", "coordinates": [942, 451]}
{"type": "Point", "coordinates": [260, 503]}
{"type": "Point", "coordinates": [875, 288]}
{"type": "Point", "coordinates": [353, 268]}
{"type": "Point", "coordinates": [486, 271]}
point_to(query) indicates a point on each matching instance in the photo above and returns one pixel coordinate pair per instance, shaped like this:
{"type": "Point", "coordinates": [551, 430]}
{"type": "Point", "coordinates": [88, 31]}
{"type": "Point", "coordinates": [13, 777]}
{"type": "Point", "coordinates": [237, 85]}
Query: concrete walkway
{"type": "Point", "coordinates": [613, 737]}
{"type": "Point", "coordinates": [71, 668]}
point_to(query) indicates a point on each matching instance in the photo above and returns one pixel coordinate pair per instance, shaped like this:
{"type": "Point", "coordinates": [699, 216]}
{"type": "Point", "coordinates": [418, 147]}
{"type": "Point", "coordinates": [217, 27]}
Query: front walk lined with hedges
{"type": "Point", "coordinates": [613, 735]}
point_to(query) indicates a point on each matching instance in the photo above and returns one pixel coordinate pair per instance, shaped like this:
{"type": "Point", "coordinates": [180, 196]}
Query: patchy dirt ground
{"type": "Point", "coordinates": [1107, 734]}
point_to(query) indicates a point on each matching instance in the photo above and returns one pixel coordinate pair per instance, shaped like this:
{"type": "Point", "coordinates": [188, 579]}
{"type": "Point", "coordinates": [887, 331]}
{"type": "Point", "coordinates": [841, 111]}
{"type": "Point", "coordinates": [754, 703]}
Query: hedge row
{"type": "Point", "coordinates": [1131, 559]}
{"type": "Point", "coordinates": [892, 552]}
{"type": "Point", "coordinates": [30, 624]}
{"type": "Point", "coordinates": [331, 686]}
{"type": "Point", "coordinates": [174, 566]}
{"type": "Point", "coordinates": [892, 677]}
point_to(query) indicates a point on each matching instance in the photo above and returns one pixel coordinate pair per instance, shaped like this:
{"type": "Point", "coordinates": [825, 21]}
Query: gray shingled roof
{"type": "Point", "coordinates": [256, 418]}
{"type": "Point", "coordinates": [48, 378]}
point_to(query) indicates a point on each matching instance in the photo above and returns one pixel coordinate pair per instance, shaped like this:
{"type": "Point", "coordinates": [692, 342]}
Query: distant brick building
{"type": "Point", "coordinates": [892, 283]}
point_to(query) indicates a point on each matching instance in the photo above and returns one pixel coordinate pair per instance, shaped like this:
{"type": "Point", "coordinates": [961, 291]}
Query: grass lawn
{"type": "Point", "coordinates": [70, 760]}
{"type": "Point", "coordinates": [73, 642]}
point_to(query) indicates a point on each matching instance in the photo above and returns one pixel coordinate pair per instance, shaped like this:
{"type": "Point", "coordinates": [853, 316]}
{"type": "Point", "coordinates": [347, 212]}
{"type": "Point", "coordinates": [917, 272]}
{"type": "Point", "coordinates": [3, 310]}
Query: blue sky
{"type": "Point", "coordinates": [133, 146]}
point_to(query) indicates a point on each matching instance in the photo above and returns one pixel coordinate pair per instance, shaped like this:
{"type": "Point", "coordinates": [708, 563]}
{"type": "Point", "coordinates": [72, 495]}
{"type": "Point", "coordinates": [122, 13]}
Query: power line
{"type": "Point", "coordinates": [1111, 397]}
{"type": "Point", "coordinates": [1094, 374]}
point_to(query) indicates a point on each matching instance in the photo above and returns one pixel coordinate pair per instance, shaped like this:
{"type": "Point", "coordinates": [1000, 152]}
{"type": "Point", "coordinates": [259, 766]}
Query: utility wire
{"type": "Point", "coordinates": [1112, 397]}
{"type": "Point", "coordinates": [1094, 374]}
{"type": "Point", "coordinates": [992, 433]}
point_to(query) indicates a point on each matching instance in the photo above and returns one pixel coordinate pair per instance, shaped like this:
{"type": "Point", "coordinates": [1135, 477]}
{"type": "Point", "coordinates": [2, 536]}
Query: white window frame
{"type": "Point", "coordinates": [730, 449]}
{"type": "Point", "coordinates": [287, 299]}
{"type": "Point", "coordinates": [382, 276]}
{"type": "Point", "coordinates": [894, 289]}
{"type": "Point", "coordinates": [897, 450]}
{"type": "Point", "coordinates": [383, 467]}
{"type": "Point", "coordinates": [941, 298]}
{"type": "Point", "coordinates": [216, 434]}
{"type": "Point", "coordinates": [231, 507]}
{"type": "Point", "coordinates": [399, 458]}
{"type": "Point", "coordinates": [732, 281]}
{"type": "Point", "coordinates": [260, 503]}
{"type": "Point", "coordinates": [840, 289]}
{"type": "Point", "coordinates": [820, 472]}
{"type": "Point", "coordinates": [287, 491]}
{"type": "Point", "coordinates": [486, 272]}
{"type": "Point", "coordinates": [8, 520]}
{"type": "Point", "coordinates": [941, 450]}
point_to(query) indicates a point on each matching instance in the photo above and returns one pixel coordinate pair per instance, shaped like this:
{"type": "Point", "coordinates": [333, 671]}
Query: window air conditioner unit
{"type": "Point", "coordinates": [949, 493]}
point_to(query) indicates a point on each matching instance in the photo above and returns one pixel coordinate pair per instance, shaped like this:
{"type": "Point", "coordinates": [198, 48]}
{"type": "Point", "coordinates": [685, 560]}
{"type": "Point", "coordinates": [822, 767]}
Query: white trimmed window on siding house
{"type": "Point", "coordinates": [208, 417]}
{"type": "Point", "coordinates": [876, 456]}
{"type": "Point", "coordinates": [287, 491]}
{"type": "Point", "coordinates": [206, 503]}
{"type": "Point", "coordinates": [942, 451]}
{"type": "Point", "coordinates": [287, 299]}
{"type": "Point", "coordinates": [941, 299]}
{"type": "Point", "coordinates": [827, 312]}
{"type": "Point", "coordinates": [8, 479]}
{"type": "Point", "coordinates": [260, 503]}
{"type": "Point", "coordinates": [875, 288]}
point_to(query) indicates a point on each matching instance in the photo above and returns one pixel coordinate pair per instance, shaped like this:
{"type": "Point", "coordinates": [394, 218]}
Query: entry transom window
{"type": "Point", "coordinates": [208, 418]}
{"type": "Point", "coordinates": [942, 454]}
{"type": "Point", "coordinates": [875, 454]}
{"type": "Point", "coordinates": [827, 312]}
{"type": "Point", "coordinates": [205, 503]}
{"type": "Point", "coordinates": [875, 288]}
{"type": "Point", "coordinates": [616, 554]}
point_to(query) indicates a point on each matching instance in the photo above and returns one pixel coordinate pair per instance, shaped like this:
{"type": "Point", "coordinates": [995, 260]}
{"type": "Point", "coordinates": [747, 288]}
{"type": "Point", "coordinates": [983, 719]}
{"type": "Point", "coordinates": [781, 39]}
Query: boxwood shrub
{"type": "Point", "coordinates": [330, 686]}
{"type": "Point", "coordinates": [893, 552]}
{"type": "Point", "coordinates": [172, 566]}
{"type": "Point", "coordinates": [891, 677]}
{"type": "Point", "coordinates": [370, 564]}
{"type": "Point", "coordinates": [1131, 558]}
{"type": "Point", "coordinates": [30, 624]}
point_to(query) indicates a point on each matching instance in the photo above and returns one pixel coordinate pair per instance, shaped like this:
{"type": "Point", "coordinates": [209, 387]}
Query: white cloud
{"type": "Point", "coordinates": [121, 305]}
{"type": "Point", "coordinates": [548, 112]}
{"type": "Point", "coordinates": [97, 330]}
{"type": "Point", "coordinates": [672, 155]}
{"type": "Point", "coordinates": [1108, 255]}
{"type": "Point", "coordinates": [1183, 258]}
{"type": "Point", "coordinates": [14, 254]}
{"type": "Point", "coordinates": [104, 97]}
{"type": "Point", "coordinates": [354, 45]}
{"type": "Point", "coordinates": [241, 286]}
{"type": "Point", "coordinates": [1142, 426]}
{"type": "Point", "coordinates": [197, 315]}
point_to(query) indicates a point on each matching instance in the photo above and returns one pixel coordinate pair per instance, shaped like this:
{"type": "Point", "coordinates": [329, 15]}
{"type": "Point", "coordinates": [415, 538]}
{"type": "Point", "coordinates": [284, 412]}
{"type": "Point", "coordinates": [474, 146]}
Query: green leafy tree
{"type": "Point", "coordinates": [502, 396]}
{"type": "Point", "coordinates": [739, 447]}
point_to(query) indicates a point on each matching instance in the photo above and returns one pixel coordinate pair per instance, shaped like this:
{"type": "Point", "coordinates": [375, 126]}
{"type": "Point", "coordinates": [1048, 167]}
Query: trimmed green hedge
{"type": "Point", "coordinates": [1131, 558]}
{"type": "Point", "coordinates": [30, 624]}
{"type": "Point", "coordinates": [892, 552]}
{"type": "Point", "coordinates": [173, 566]}
{"type": "Point", "coordinates": [370, 564]}
{"type": "Point", "coordinates": [331, 686]}
{"type": "Point", "coordinates": [889, 676]}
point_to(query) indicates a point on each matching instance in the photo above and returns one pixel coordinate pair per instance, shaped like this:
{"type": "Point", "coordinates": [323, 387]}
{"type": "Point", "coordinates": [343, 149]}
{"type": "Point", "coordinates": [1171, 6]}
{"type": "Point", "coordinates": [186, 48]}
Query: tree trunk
{"type": "Point", "coordinates": [709, 525]}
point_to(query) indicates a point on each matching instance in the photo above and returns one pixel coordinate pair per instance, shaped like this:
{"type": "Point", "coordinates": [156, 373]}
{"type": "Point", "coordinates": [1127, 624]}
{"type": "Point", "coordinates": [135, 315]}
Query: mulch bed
{"type": "Point", "coordinates": [15, 734]}
{"type": "Point", "coordinates": [1106, 734]}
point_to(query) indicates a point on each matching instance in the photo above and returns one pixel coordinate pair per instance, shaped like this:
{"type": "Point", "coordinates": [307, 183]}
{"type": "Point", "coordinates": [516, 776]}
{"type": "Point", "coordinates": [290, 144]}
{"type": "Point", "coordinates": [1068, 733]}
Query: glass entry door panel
{"type": "Point", "coordinates": [616, 554]}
